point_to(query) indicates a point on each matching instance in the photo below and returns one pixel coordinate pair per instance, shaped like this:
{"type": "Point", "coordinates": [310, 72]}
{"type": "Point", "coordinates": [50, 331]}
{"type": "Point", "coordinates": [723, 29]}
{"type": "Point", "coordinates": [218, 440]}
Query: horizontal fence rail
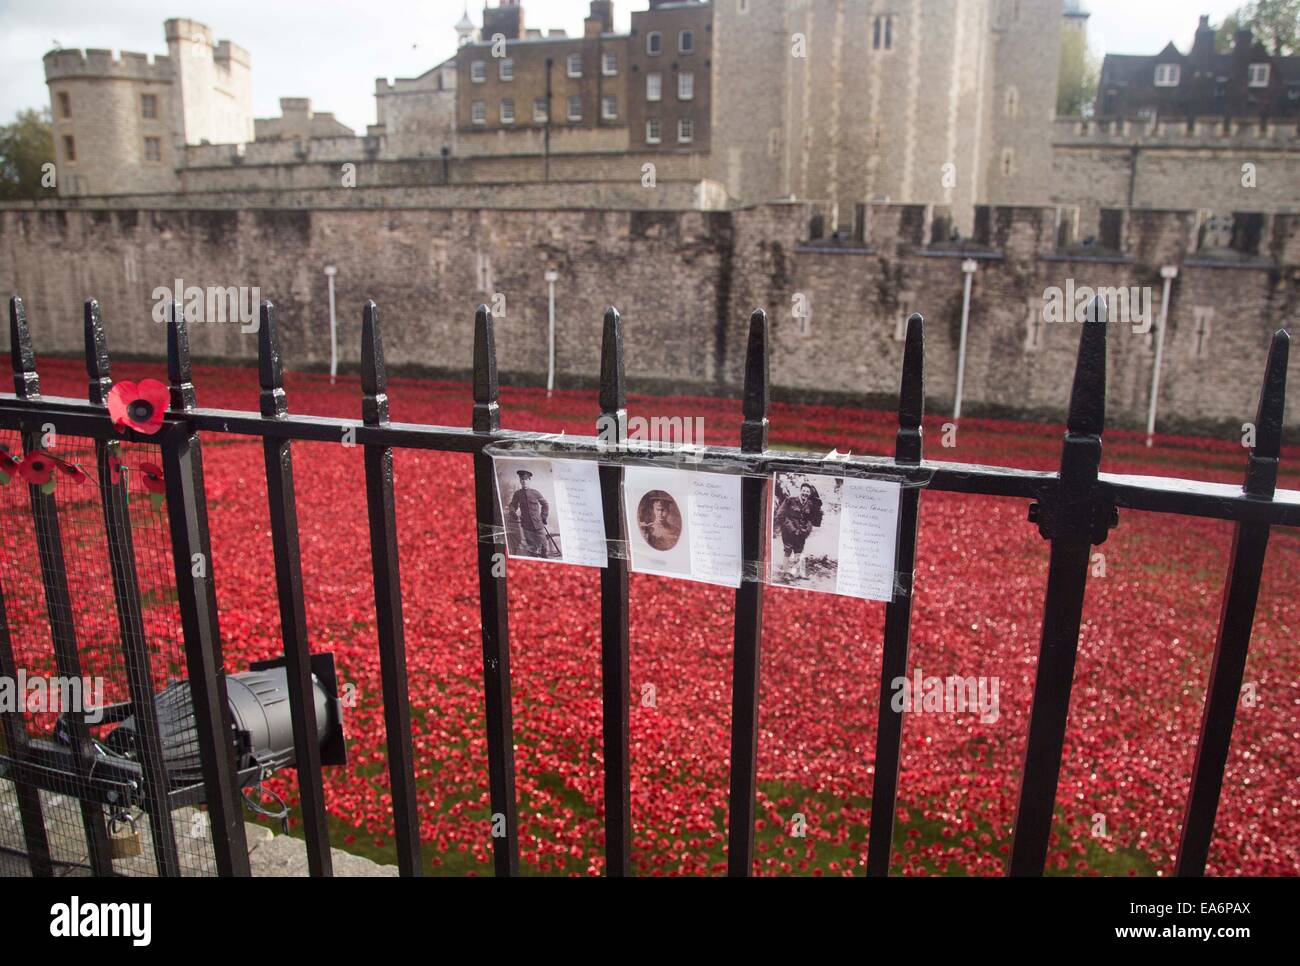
{"type": "Point", "coordinates": [1074, 509]}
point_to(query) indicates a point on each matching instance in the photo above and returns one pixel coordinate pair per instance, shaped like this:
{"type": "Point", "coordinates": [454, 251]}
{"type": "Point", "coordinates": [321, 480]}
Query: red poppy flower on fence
{"type": "Point", "coordinates": [151, 477]}
{"type": "Point", "coordinates": [139, 406]}
{"type": "Point", "coordinates": [37, 468]}
{"type": "Point", "coordinates": [8, 465]}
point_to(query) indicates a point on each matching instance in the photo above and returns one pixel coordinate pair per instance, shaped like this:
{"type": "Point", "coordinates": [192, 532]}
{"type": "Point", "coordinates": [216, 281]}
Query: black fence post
{"type": "Point", "coordinates": [1236, 618]}
{"type": "Point", "coordinates": [126, 597]}
{"type": "Point", "coordinates": [611, 430]}
{"type": "Point", "coordinates": [382, 511]}
{"type": "Point", "coordinates": [278, 456]}
{"type": "Point", "coordinates": [493, 609]}
{"type": "Point", "coordinates": [14, 722]}
{"type": "Point", "coordinates": [58, 600]}
{"type": "Point", "coordinates": [196, 592]}
{"type": "Point", "coordinates": [1074, 520]}
{"type": "Point", "coordinates": [898, 612]}
{"type": "Point", "coordinates": [748, 630]}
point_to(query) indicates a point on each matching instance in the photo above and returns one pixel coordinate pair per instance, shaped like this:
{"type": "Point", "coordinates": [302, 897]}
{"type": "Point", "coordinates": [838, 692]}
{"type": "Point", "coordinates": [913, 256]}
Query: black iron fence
{"type": "Point", "coordinates": [1074, 509]}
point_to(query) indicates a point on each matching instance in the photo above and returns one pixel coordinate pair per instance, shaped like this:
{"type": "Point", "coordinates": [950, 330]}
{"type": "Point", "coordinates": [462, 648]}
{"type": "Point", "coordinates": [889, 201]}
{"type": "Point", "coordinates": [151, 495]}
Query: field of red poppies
{"type": "Point", "coordinates": [1139, 686]}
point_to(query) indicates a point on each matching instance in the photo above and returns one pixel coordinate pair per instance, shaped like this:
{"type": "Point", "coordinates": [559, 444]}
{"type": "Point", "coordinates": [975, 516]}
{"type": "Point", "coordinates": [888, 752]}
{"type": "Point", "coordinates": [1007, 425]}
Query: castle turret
{"type": "Point", "coordinates": [465, 30]}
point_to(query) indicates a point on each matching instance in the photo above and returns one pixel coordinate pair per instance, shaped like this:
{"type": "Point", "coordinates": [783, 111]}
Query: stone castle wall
{"type": "Point", "coordinates": [685, 282]}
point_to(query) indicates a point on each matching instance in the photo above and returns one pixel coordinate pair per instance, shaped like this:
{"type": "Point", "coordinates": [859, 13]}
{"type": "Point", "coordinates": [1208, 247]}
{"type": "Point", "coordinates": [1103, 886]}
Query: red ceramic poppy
{"type": "Point", "coordinates": [151, 475]}
{"type": "Point", "coordinates": [70, 469]}
{"type": "Point", "coordinates": [36, 468]}
{"type": "Point", "coordinates": [138, 406]}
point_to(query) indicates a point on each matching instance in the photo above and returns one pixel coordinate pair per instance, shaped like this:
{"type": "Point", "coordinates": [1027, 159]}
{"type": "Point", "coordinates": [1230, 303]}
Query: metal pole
{"type": "Point", "coordinates": [968, 268]}
{"type": "Point", "coordinates": [551, 278]}
{"type": "Point", "coordinates": [1168, 273]}
{"type": "Point", "coordinates": [330, 272]}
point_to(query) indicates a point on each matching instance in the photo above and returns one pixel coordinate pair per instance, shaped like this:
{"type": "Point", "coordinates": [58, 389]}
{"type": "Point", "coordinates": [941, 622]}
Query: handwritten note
{"type": "Point", "coordinates": [552, 510]}
{"type": "Point", "coordinates": [684, 524]}
{"type": "Point", "coordinates": [868, 539]}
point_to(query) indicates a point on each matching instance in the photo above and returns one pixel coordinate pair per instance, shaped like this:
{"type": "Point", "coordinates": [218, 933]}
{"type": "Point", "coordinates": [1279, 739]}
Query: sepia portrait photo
{"type": "Point", "coordinates": [528, 508]}
{"type": "Point", "coordinates": [806, 531]}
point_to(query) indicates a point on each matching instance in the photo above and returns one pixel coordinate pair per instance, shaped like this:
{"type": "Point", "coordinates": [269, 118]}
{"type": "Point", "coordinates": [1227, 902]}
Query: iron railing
{"type": "Point", "coordinates": [1074, 509]}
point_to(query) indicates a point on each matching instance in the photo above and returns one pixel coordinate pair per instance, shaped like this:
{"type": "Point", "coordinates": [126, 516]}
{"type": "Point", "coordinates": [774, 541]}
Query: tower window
{"type": "Point", "coordinates": [69, 148]}
{"type": "Point", "coordinates": [1168, 75]}
{"type": "Point", "coordinates": [65, 104]}
{"type": "Point", "coordinates": [152, 149]}
{"type": "Point", "coordinates": [882, 32]}
{"type": "Point", "coordinates": [149, 106]}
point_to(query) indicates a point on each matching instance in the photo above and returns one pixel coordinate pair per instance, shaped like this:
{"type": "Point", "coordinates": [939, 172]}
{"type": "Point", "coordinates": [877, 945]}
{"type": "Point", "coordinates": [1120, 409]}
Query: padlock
{"type": "Point", "coordinates": [123, 836]}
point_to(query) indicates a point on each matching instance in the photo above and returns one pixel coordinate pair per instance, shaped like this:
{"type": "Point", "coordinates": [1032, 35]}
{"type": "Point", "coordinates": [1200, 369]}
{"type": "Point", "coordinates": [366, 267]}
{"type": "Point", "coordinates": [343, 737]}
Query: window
{"type": "Point", "coordinates": [882, 32]}
{"type": "Point", "coordinates": [575, 108]}
{"type": "Point", "coordinates": [65, 104]}
{"type": "Point", "coordinates": [508, 111]}
{"type": "Point", "coordinates": [1203, 318]}
{"type": "Point", "coordinates": [1167, 75]}
{"type": "Point", "coordinates": [686, 85]}
{"type": "Point", "coordinates": [609, 65]}
{"type": "Point", "coordinates": [69, 148]}
{"type": "Point", "coordinates": [149, 106]}
{"type": "Point", "coordinates": [478, 112]}
{"type": "Point", "coordinates": [1008, 162]}
{"type": "Point", "coordinates": [686, 42]}
{"type": "Point", "coordinates": [152, 149]}
{"type": "Point", "coordinates": [652, 131]}
{"type": "Point", "coordinates": [1257, 75]}
{"type": "Point", "coordinates": [574, 65]}
{"type": "Point", "coordinates": [540, 113]}
{"type": "Point", "coordinates": [1012, 106]}
{"type": "Point", "coordinates": [609, 108]}
{"type": "Point", "coordinates": [905, 302]}
{"type": "Point", "coordinates": [1034, 326]}
{"type": "Point", "coordinates": [654, 86]}
{"type": "Point", "coordinates": [685, 130]}
{"type": "Point", "coordinates": [478, 71]}
{"type": "Point", "coordinates": [506, 69]}
{"type": "Point", "coordinates": [654, 43]}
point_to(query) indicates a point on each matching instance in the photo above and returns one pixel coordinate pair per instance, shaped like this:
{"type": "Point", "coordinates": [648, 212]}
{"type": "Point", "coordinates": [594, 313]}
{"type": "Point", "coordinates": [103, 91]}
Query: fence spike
{"type": "Point", "coordinates": [487, 389]}
{"type": "Point", "coordinates": [1087, 413]}
{"type": "Point", "coordinates": [97, 365]}
{"type": "Point", "coordinates": [1272, 398]}
{"type": "Point", "coordinates": [753, 431]}
{"type": "Point", "coordinates": [911, 397]}
{"type": "Point", "coordinates": [180, 372]}
{"type": "Point", "coordinates": [374, 375]}
{"type": "Point", "coordinates": [270, 367]}
{"type": "Point", "coordinates": [613, 392]}
{"type": "Point", "coordinates": [27, 384]}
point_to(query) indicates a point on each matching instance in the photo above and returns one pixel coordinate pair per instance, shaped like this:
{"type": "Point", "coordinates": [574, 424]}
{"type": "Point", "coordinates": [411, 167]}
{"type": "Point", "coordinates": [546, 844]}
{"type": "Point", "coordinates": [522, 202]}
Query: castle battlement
{"type": "Point", "coordinates": [1212, 131]}
{"type": "Point", "coordinates": [128, 65]}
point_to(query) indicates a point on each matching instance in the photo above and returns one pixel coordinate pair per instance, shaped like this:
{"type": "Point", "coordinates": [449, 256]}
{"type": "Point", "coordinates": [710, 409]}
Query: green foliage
{"type": "Point", "coordinates": [1274, 22]}
{"type": "Point", "coordinates": [1076, 85]}
{"type": "Point", "coordinates": [25, 145]}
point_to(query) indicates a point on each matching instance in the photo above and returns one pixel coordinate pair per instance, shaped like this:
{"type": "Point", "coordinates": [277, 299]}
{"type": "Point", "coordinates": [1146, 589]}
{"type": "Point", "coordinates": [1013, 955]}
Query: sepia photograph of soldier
{"type": "Point", "coordinates": [805, 531]}
{"type": "Point", "coordinates": [659, 519]}
{"type": "Point", "coordinates": [527, 497]}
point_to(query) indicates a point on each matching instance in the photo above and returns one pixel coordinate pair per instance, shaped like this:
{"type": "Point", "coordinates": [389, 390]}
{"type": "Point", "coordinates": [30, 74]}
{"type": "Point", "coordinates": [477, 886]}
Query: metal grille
{"type": "Point", "coordinates": [1074, 509]}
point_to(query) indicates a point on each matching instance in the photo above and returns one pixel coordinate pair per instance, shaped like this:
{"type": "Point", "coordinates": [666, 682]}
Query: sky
{"type": "Point", "coordinates": [333, 50]}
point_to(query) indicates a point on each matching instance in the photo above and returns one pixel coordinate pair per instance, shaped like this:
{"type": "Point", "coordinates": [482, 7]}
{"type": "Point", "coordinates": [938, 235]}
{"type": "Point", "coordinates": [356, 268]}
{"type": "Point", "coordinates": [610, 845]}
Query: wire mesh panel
{"type": "Point", "coordinates": [80, 690]}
